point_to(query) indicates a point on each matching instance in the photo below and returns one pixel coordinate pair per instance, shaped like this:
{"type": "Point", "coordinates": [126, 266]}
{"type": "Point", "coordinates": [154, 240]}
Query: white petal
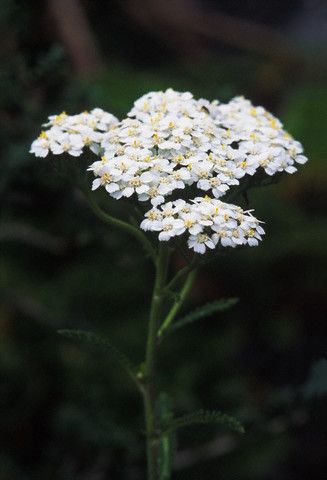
{"type": "Point", "coordinates": [301, 159]}
{"type": "Point", "coordinates": [199, 248]}
{"type": "Point", "coordinates": [96, 183]}
{"type": "Point", "coordinates": [290, 169]}
{"type": "Point", "coordinates": [164, 236]}
{"type": "Point", "coordinates": [112, 187]}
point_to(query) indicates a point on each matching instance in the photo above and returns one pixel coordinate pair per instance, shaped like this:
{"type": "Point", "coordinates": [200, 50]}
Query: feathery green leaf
{"type": "Point", "coordinates": [205, 417]}
{"type": "Point", "coordinates": [202, 312]}
{"type": "Point", "coordinates": [91, 339]}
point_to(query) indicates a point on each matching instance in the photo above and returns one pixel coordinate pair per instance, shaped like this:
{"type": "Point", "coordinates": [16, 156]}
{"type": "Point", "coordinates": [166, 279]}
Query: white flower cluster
{"type": "Point", "coordinates": [171, 141]}
{"type": "Point", "coordinates": [166, 144]}
{"type": "Point", "coordinates": [71, 133]}
{"type": "Point", "coordinates": [258, 136]}
{"type": "Point", "coordinates": [208, 221]}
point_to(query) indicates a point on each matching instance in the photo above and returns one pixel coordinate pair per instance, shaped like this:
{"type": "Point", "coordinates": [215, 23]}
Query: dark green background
{"type": "Point", "coordinates": [66, 413]}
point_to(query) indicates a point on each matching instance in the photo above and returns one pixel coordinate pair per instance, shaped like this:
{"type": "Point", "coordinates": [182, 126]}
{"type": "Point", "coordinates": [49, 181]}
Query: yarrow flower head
{"type": "Point", "coordinates": [207, 221]}
{"type": "Point", "coordinates": [194, 151]}
{"type": "Point", "coordinates": [71, 133]}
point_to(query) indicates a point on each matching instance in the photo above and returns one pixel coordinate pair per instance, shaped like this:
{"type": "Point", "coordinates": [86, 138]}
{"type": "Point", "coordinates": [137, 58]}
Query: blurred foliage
{"type": "Point", "coordinates": [67, 413]}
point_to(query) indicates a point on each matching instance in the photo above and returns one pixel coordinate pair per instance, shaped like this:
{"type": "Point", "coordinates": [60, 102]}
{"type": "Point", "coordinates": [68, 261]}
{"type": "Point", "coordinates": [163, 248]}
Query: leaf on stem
{"type": "Point", "coordinates": [98, 342]}
{"type": "Point", "coordinates": [202, 312]}
{"type": "Point", "coordinates": [205, 417]}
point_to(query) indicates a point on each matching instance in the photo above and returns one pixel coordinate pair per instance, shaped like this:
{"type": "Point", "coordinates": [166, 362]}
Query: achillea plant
{"type": "Point", "coordinates": [180, 161]}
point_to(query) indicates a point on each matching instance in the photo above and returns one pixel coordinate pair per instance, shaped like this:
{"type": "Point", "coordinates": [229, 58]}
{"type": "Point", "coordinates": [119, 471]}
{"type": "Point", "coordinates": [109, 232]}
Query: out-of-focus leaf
{"type": "Point", "coordinates": [304, 117]}
{"type": "Point", "coordinates": [316, 385]}
{"type": "Point", "coordinates": [103, 344]}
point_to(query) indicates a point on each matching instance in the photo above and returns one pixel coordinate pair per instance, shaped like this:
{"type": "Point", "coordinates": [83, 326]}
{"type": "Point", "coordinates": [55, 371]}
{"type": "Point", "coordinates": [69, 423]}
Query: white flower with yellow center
{"type": "Point", "coordinates": [199, 243]}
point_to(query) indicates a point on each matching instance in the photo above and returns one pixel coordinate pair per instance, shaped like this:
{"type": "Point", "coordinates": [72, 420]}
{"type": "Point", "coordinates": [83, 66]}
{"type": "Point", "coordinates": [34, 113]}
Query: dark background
{"type": "Point", "coordinates": [66, 413]}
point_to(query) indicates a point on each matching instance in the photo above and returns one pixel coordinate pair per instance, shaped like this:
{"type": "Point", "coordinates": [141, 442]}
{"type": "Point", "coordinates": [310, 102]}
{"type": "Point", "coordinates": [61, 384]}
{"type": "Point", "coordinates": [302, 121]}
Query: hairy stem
{"type": "Point", "coordinates": [149, 390]}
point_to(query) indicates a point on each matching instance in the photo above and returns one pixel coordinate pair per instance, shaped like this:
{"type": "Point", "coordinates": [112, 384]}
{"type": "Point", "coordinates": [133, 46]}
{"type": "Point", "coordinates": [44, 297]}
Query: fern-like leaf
{"type": "Point", "coordinates": [202, 312]}
{"type": "Point", "coordinates": [205, 417]}
{"type": "Point", "coordinates": [98, 342]}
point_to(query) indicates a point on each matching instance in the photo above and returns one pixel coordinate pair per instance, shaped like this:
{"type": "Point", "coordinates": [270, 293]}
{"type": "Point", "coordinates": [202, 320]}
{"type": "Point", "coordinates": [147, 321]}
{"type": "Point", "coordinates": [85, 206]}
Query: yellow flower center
{"type": "Point", "coordinates": [59, 118]}
{"type": "Point", "coordinates": [105, 178]}
{"type": "Point", "coordinates": [189, 223]}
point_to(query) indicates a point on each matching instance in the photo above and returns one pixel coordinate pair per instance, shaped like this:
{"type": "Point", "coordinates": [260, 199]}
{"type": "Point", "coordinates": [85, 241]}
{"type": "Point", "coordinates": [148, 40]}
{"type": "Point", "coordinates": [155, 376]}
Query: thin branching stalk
{"type": "Point", "coordinates": [178, 303]}
{"type": "Point", "coordinates": [116, 222]}
{"type": "Point", "coordinates": [180, 274]}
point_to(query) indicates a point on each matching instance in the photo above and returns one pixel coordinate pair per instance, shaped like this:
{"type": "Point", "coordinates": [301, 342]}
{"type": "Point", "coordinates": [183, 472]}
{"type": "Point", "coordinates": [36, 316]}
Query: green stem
{"type": "Point", "coordinates": [149, 389]}
{"type": "Point", "coordinates": [188, 268]}
{"type": "Point", "coordinates": [116, 222]}
{"type": "Point", "coordinates": [178, 303]}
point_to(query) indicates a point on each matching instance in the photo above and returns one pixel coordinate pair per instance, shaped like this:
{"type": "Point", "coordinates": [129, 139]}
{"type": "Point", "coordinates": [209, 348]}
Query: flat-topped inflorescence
{"type": "Point", "coordinates": [170, 142]}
